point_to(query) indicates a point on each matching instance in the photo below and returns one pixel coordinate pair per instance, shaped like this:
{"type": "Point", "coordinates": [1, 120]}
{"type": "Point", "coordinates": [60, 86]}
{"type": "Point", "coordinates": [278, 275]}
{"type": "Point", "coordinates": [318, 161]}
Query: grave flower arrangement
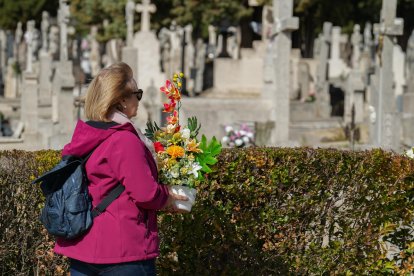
{"type": "Point", "coordinates": [241, 137]}
{"type": "Point", "coordinates": [183, 159]}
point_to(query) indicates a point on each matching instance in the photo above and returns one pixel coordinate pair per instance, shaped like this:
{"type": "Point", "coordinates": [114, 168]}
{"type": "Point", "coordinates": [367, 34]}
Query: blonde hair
{"type": "Point", "coordinates": [107, 90]}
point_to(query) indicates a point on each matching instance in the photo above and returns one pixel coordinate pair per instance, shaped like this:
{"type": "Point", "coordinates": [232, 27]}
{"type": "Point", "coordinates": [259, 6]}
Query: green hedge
{"type": "Point", "coordinates": [264, 211]}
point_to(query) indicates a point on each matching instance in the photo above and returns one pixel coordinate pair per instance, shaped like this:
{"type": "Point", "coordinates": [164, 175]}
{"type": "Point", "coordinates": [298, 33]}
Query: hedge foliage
{"type": "Point", "coordinates": [263, 211]}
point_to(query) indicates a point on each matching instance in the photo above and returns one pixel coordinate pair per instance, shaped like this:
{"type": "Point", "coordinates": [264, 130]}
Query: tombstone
{"type": "Point", "coordinates": [200, 61]}
{"type": "Point", "coordinates": [148, 58]}
{"type": "Point", "coordinates": [29, 103]}
{"type": "Point", "coordinates": [63, 19]}
{"type": "Point", "coordinates": [322, 85]}
{"type": "Point", "coordinates": [354, 96]}
{"type": "Point", "coordinates": [212, 42]}
{"type": "Point", "coordinates": [11, 82]}
{"type": "Point", "coordinates": [45, 77]}
{"type": "Point", "coordinates": [356, 40]}
{"type": "Point", "coordinates": [189, 58]}
{"type": "Point", "coordinates": [17, 39]}
{"type": "Point", "coordinates": [45, 30]}
{"type": "Point", "coordinates": [28, 36]}
{"type": "Point", "coordinates": [95, 55]}
{"type": "Point", "coordinates": [337, 66]}
{"type": "Point", "coordinates": [410, 64]}
{"type": "Point", "coordinates": [267, 22]}
{"type": "Point", "coordinates": [146, 8]}
{"type": "Point", "coordinates": [165, 44]}
{"type": "Point", "coordinates": [112, 55]}
{"type": "Point", "coordinates": [233, 42]}
{"type": "Point", "coordinates": [368, 42]}
{"type": "Point", "coordinates": [281, 47]}
{"type": "Point", "coordinates": [398, 68]}
{"type": "Point", "coordinates": [304, 80]}
{"type": "Point", "coordinates": [54, 42]}
{"type": "Point", "coordinates": [129, 17]}
{"type": "Point", "coordinates": [387, 123]}
{"type": "Point", "coordinates": [3, 53]}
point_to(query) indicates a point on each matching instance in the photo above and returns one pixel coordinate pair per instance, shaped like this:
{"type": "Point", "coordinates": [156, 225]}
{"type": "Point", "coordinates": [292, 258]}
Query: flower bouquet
{"type": "Point", "coordinates": [183, 159]}
{"type": "Point", "coordinates": [242, 137]}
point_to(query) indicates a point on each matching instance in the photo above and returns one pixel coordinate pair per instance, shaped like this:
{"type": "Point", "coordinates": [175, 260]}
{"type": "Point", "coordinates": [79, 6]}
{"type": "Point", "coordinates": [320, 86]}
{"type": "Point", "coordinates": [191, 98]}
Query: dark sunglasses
{"type": "Point", "coordinates": [138, 94]}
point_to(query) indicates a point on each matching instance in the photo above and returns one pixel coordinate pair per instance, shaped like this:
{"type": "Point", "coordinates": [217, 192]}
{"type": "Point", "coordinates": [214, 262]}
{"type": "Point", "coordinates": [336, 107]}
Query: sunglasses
{"type": "Point", "coordinates": [138, 94]}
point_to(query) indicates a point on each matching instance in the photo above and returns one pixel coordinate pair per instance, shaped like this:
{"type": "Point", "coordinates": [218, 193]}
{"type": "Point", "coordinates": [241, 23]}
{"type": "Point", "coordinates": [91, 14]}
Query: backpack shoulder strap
{"type": "Point", "coordinates": [114, 194]}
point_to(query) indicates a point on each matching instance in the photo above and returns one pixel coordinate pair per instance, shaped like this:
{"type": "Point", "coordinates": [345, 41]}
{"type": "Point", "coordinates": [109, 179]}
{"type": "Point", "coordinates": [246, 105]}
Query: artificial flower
{"type": "Point", "coordinates": [171, 91]}
{"type": "Point", "coordinates": [158, 147]}
{"type": "Point", "coordinates": [173, 119]}
{"type": "Point", "coordinates": [185, 133]}
{"type": "Point", "coordinates": [192, 146]}
{"type": "Point", "coordinates": [195, 167]}
{"type": "Point", "coordinates": [169, 107]}
{"type": "Point", "coordinates": [175, 151]}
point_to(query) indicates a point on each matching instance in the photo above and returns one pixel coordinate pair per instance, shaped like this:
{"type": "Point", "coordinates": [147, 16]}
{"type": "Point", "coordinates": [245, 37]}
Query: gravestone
{"type": "Point", "coordinates": [95, 55]}
{"type": "Point", "coordinates": [54, 42]}
{"type": "Point", "coordinates": [200, 61]}
{"type": "Point", "coordinates": [387, 123]}
{"type": "Point", "coordinates": [28, 36]}
{"type": "Point", "coordinates": [148, 61]}
{"type": "Point", "coordinates": [63, 19]}
{"type": "Point", "coordinates": [129, 17]}
{"type": "Point", "coordinates": [45, 30]}
{"type": "Point", "coordinates": [304, 79]}
{"type": "Point", "coordinates": [398, 68]}
{"type": "Point", "coordinates": [408, 97]}
{"type": "Point", "coordinates": [29, 103]}
{"type": "Point", "coordinates": [356, 40]}
{"type": "Point", "coordinates": [212, 42]}
{"type": "Point", "coordinates": [189, 58]}
{"type": "Point", "coordinates": [284, 25]}
{"type": "Point", "coordinates": [354, 96]}
{"type": "Point", "coordinates": [337, 66]}
{"type": "Point", "coordinates": [322, 85]}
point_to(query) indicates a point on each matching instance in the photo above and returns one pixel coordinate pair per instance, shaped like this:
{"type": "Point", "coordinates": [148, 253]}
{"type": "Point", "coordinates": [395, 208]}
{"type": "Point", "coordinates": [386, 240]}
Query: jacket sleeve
{"type": "Point", "coordinates": [131, 168]}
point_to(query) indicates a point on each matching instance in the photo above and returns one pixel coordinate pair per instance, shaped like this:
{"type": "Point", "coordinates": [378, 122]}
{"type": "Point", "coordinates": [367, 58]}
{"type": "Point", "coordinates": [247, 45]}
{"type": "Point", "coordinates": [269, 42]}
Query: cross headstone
{"type": "Point", "coordinates": [284, 25]}
{"type": "Point", "coordinates": [356, 40]}
{"type": "Point", "coordinates": [336, 64]}
{"type": "Point", "coordinates": [63, 19]}
{"type": "Point", "coordinates": [146, 8]}
{"type": "Point", "coordinates": [45, 30]}
{"type": "Point", "coordinates": [129, 17]}
{"type": "Point", "coordinates": [387, 132]}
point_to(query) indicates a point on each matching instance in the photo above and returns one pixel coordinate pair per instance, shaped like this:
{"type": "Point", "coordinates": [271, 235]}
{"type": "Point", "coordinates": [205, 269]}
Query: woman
{"type": "Point", "coordinates": [123, 240]}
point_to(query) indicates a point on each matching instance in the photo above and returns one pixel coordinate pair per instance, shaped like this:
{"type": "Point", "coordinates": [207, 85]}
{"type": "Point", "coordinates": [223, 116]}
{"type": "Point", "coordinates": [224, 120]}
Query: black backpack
{"type": "Point", "coordinates": [68, 209]}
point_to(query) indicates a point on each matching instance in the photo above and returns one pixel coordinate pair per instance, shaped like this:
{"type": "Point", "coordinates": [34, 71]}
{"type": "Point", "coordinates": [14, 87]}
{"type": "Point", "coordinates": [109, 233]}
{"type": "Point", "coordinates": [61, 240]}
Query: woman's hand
{"type": "Point", "coordinates": [170, 206]}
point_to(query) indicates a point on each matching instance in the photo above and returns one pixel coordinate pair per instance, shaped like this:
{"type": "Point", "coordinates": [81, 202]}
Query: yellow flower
{"type": "Point", "coordinates": [193, 146]}
{"type": "Point", "coordinates": [181, 75]}
{"type": "Point", "coordinates": [175, 151]}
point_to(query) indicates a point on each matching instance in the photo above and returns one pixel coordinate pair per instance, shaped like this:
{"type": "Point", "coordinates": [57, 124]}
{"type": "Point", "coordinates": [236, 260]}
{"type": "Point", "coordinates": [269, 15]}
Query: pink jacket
{"type": "Point", "coordinates": [127, 230]}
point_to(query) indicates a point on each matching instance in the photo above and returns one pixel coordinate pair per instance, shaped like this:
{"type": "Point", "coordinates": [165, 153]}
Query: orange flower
{"type": "Point", "coordinates": [193, 146]}
{"type": "Point", "coordinates": [175, 151]}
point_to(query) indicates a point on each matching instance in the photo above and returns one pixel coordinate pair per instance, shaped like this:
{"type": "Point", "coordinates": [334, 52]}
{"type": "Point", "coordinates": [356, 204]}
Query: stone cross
{"type": "Point", "coordinates": [284, 25]}
{"type": "Point", "coordinates": [336, 64]}
{"type": "Point", "coordinates": [45, 30]}
{"type": "Point", "coordinates": [63, 19]}
{"type": "Point", "coordinates": [28, 36]}
{"type": "Point", "coordinates": [386, 127]}
{"type": "Point", "coordinates": [356, 40]}
{"type": "Point", "coordinates": [146, 8]}
{"type": "Point", "coordinates": [129, 17]}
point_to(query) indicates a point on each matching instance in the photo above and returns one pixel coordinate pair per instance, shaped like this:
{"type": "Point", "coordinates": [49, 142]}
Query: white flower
{"type": "Point", "coordinates": [174, 174]}
{"type": "Point", "coordinates": [246, 139]}
{"type": "Point", "coordinates": [225, 139]}
{"type": "Point", "coordinates": [250, 135]}
{"type": "Point", "coordinates": [410, 153]}
{"type": "Point", "coordinates": [231, 144]}
{"type": "Point", "coordinates": [228, 129]}
{"type": "Point", "coordinates": [242, 132]}
{"type": "Point", "coordinates": [195, 167]}
{"type": "Point", "coordinates": [185, 133]}
{"type": "Point", "coordinates": [238, 142]}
